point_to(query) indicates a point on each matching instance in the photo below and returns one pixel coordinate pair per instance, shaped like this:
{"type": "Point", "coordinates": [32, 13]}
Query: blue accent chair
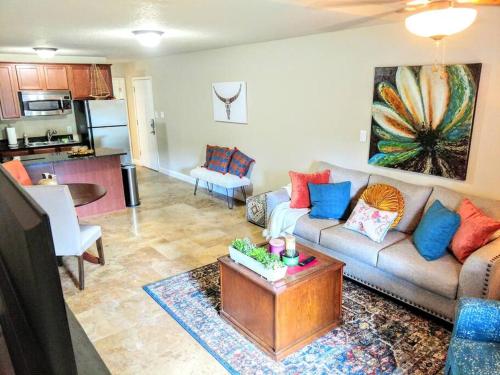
{"type": "Point", "coordinates": [475, 342]}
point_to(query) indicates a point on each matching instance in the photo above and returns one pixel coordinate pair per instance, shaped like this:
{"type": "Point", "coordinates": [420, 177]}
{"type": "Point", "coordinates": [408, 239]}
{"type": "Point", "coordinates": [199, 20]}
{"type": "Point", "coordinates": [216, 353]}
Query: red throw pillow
{"type": "Point", "coordinates": [208, 154]}
{"type": "Point", "coordinates": [476, 230]}
{"type": "Point", "coordinates": [17, 170]}
{"type": "Point", "coordinates": [300, 190]}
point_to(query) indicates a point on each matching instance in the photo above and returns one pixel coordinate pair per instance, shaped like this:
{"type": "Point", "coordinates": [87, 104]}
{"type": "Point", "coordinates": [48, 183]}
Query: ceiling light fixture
{"type": "Point", "coordinates": [148, 38]}
{"type": "Point", "coordinates": [438, 23]}
{"type": "Point", "coordinates": [45, 53]}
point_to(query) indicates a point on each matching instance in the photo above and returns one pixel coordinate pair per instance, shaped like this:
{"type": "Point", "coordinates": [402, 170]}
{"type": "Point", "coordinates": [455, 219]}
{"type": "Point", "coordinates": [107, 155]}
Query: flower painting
{"type": "Point", "coordinates": [422, 118]}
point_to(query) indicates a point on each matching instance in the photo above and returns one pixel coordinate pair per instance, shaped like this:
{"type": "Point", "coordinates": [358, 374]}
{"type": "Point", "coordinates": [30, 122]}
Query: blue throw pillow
{"type": "Point", "coordinates": [329, 201]}
{"type": "Point", "coordinates": [435, 231]}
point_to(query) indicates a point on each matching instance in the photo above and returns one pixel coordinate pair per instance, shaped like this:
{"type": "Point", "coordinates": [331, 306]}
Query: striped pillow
{"type": "Point", "coordinates": [240, 163]}
{"type": "Point", "coordinates": [219, 162]}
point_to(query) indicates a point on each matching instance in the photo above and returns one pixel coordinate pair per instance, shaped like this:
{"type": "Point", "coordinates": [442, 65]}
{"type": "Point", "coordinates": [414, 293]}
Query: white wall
{"type": "Point", "coordinates": [309, 97]}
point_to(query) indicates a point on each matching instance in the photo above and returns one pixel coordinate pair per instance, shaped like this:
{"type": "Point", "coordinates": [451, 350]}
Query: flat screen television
{"type": "Point", "coordinates": [32, 309]}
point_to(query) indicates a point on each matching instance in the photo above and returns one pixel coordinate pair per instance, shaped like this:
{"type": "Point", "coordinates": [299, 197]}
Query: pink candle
{"type": "Point", "coordinates": [276, 246]}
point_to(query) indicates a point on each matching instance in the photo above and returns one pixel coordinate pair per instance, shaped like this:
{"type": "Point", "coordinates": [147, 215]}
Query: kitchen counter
{"type": "Point", "coordinates": [64, 156]}
{"type": "Point", "coordinates": [102, 168]}
{"type": "Point", "coordinates": [4, 145]}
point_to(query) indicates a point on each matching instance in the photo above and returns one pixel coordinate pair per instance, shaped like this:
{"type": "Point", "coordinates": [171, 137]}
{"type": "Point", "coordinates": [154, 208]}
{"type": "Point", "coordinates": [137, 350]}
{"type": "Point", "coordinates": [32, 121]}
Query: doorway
{"type": "Point", "coordinates": [146, 126]}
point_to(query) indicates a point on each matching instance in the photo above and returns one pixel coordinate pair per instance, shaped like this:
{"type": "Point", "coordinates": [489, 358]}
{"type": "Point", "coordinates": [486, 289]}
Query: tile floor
{"type": "Point", "coordinates": [171, 232]}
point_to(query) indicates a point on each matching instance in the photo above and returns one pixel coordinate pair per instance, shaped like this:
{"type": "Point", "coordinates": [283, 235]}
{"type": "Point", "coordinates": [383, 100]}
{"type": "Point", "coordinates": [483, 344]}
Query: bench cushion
{"type": "Point", "coordinates": [439, 276]}
{"type": "Point", "coordinates": [356, 245]}
{"type": "Point", "coordinates": [228, 181]}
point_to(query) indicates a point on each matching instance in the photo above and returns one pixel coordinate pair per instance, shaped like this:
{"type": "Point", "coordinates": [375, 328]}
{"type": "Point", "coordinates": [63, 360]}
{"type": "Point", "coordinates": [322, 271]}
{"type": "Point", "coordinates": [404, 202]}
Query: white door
{"type": "Point", "coordinates": [146, 127]}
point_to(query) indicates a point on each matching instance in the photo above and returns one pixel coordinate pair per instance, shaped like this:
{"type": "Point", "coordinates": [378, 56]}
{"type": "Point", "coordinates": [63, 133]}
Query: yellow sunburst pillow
{"type": "Point", "coordinates": [386, 198]}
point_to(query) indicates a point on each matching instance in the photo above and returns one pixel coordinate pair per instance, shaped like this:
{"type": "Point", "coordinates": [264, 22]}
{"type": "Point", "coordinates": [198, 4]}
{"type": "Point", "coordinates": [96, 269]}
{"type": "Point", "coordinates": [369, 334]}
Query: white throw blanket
{"type": "Point", "coordinates": [283, 220]}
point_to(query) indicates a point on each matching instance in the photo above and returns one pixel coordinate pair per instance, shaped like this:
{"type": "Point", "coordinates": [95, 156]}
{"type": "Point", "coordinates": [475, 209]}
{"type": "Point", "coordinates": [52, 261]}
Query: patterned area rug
{"type": "Point", "coordinates": [378, 336]}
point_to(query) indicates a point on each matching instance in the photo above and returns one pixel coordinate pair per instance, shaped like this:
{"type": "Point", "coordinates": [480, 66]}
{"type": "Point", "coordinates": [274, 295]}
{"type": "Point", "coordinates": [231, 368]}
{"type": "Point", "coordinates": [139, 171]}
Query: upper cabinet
{"type": "Point", "coordinates": [30, 77]}
{"type": "Point", "coordinates": [42, 77]}
{"type": "Point", "coordinates": [9, 102]}
{"type": "Point", "coordinates": [79, 80]}
{"type": "Point", "coordinates": [56, 77]}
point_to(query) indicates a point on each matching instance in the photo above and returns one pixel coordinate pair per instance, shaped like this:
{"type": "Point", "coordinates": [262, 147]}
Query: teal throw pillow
{"type": "Point", "coordinates": [329, 201]}
{"type": "Point", "coordinates": [435, 231]}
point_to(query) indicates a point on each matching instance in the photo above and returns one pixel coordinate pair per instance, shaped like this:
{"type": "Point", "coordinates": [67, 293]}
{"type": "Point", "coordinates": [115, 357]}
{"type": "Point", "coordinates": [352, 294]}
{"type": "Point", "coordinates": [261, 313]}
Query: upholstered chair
{"type": "Point", "coordinates": [70, 238]}
{"type": "Point", "coordinates": [475, 342]}
{"type": "Point", "coordinates": [18, 172]}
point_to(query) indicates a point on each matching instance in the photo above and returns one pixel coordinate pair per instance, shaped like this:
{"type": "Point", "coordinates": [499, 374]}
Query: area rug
{"type": "Point", "coordinates": [377, 336]}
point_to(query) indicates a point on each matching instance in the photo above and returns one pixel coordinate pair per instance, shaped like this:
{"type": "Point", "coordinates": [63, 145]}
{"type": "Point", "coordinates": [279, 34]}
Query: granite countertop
{"type": "Point", "coordinates": [64, 156]}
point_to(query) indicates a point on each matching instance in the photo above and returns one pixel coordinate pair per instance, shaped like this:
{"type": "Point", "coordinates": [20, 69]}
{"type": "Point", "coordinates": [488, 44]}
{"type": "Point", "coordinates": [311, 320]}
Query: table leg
{"type": "Point", "coordinates": [90, 258]}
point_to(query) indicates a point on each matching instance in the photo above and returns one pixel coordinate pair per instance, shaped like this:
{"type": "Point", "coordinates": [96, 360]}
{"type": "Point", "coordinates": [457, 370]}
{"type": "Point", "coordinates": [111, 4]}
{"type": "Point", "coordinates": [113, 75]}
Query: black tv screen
{"type": "Point", "coordinates": [32, 309]}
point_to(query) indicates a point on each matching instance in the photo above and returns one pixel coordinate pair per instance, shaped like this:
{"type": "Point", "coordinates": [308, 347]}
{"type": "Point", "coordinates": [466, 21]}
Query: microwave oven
{"type": "Point", "coordinates": [45, 103]}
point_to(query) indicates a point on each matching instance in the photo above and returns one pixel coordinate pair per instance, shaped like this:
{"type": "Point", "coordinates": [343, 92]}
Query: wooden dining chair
{"type": "Point", "coordinates": [70, 238]}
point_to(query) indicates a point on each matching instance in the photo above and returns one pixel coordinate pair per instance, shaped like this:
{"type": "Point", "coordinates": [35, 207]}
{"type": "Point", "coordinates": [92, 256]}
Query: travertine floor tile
{"type": "Point", "coordinates": [171, 232]}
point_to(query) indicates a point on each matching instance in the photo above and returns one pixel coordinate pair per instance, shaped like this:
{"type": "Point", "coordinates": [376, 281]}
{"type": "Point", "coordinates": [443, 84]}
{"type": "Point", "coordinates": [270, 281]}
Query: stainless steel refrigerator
{"type": "Point", "coordinates": [106, 123]}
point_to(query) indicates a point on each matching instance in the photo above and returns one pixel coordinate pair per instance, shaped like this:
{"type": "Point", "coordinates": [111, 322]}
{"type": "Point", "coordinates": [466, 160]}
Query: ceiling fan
{"type": "Point", "coordinates": [428, 18]}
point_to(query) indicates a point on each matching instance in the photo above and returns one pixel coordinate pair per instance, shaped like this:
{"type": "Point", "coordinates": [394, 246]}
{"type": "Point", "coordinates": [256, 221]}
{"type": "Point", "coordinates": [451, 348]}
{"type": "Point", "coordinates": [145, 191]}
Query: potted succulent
{"type": "Point", "coordinates": [258, 259]}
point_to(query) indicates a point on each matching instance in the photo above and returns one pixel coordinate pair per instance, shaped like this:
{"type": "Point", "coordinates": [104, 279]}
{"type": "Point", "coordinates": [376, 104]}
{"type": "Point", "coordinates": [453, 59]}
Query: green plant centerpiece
{"type": "Point", "coordinates": [290, 255]}
{"type": "Point", "coordinates": [258, 259]}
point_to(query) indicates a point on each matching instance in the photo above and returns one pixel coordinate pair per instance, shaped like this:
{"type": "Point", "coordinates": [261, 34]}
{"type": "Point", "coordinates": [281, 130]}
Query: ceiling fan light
{"type": "Point", "coordinates": [45, 53]}
{"type": "Point", "coordinates": [440, 22]}
{"type": "Point", "coordinates": [148, 38]}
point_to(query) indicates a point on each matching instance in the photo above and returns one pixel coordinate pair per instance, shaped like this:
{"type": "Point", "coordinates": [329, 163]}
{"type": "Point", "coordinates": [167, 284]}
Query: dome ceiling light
{"type": "Point", "coordinates": [45, 53]}
{"type": "Point", "coordinates": [148, 38]}
{"type": "Point", "coordinates": [438, 23]}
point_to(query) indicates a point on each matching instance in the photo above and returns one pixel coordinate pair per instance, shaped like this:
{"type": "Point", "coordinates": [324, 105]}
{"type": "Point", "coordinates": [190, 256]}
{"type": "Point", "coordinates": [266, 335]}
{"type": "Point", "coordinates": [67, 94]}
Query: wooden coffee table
{"type": "Point", "coordinates": [286, 315]}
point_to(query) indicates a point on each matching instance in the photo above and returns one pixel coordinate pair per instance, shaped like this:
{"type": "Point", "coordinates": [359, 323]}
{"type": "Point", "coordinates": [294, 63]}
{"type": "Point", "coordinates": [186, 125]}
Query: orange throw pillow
{"type": "Point", "coordinates": [300, 190]}
{"type": "Point", "coordinates": [17, 170]}
{"type": "Point", "coordinates": [476, 230]}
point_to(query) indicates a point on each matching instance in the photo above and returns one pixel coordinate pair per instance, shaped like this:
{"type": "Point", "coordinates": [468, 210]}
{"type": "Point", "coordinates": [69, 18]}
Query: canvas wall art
{"type": "Point", "coordinates": [422, 118]}
{"type": "Point", "coordinates": [230, 102]}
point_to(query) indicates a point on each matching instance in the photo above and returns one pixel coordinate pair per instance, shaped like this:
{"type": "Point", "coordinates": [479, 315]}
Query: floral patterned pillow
{"type": "Point", "coordinates": [370, 221]}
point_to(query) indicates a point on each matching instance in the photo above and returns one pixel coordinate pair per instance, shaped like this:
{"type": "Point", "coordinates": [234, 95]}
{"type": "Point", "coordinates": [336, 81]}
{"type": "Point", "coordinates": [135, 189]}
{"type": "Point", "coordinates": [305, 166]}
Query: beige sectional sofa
{"type": "Point", "coordinates": [394, 266]}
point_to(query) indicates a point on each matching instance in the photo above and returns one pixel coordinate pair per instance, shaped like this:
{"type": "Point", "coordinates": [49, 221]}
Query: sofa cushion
{"type": "Point", "coordinates": [310, 229]}
{"type": "Point", "coordinates": [453, 199]}
{"type": "Point", "coordinates": [403, 260]}
{"type": "Point", "coordinates": [415, 197]}
{"type": "Point", "coordinates": [359, 180]}
{"type": "Point", "coordinates": [357, 245]}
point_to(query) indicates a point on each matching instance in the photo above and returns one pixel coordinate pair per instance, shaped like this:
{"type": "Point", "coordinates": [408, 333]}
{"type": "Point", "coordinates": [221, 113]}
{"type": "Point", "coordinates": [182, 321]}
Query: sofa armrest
{"type": "Point", "coordinates": [480, 274]}
{"type": "Point", "coordinates": [478, 320]}
{"type": "Point", "coordinates": [274, 198]}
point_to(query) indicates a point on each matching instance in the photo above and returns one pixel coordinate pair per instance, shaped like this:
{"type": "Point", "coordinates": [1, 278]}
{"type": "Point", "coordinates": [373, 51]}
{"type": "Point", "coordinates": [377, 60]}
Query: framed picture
{"type": "Point", "coordinates": [230, 102]}
{"type": "Point", "coordinates": [422, 118]}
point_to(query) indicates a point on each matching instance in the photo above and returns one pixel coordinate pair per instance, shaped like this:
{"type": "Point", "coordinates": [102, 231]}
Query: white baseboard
{"type": "Point", "coordinates": [177, 175]}
{"type": "Point", "coordinates": [192, 181]}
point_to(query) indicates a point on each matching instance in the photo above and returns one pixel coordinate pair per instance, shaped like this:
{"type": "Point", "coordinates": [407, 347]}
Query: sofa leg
{"type": "Point", "coordinates": [230, 199]}
{"type": "Point", "coordinates": [244, 194]}
{"type": "Point", "coordinates": [196, 185]}
{"type": "Point", "coordinates": [100, 251]}
{"type": "Point", "coordinates": [81, 276]}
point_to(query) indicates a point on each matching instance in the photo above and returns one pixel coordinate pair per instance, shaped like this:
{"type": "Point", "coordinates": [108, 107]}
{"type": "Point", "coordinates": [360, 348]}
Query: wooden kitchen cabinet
{"type": "Point", "coordinates": [80, 80]}
{"type": "Point", "coordinates": [30, 77]}
{"type": "Point", "coordinates": [9, 102]}
{"type": "Point", "coordinates": [56, 77]}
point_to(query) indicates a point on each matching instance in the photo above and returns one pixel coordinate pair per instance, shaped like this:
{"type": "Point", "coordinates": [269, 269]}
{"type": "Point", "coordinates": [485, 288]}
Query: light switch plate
{"type": "Point", "coordinates": [69, 130]}
{"type": "Point", "coordinates": [156, 115]}
{"type": "Point", "coordinates": [362, 136]}
{"type": "Point", "coordinates": [162, 114]}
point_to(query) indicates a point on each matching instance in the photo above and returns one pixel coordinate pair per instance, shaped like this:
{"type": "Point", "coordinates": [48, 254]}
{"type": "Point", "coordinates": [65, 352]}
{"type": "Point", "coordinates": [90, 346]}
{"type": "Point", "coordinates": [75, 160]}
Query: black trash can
{"type": "Point", "coordinates": [129, 176]}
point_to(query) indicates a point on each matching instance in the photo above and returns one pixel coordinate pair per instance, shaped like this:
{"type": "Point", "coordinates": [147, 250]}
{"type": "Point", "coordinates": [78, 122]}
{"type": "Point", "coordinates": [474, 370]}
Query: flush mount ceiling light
{"type": "Point", "coordinates": [148, 38]}
{"type": "Point", "coordinates": [45, 53]}
{"type": "Point", "coordinates": [439, 23]}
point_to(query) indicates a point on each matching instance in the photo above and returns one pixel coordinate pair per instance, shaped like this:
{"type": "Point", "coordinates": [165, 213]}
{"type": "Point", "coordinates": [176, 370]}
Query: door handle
{"type": "Point", "coordinates": [153, 127]}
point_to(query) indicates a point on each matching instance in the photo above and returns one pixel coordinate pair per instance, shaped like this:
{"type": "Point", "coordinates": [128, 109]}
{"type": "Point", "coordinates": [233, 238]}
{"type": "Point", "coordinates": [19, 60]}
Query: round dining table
{"type": "Point", "coordinates": [82, 194]}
